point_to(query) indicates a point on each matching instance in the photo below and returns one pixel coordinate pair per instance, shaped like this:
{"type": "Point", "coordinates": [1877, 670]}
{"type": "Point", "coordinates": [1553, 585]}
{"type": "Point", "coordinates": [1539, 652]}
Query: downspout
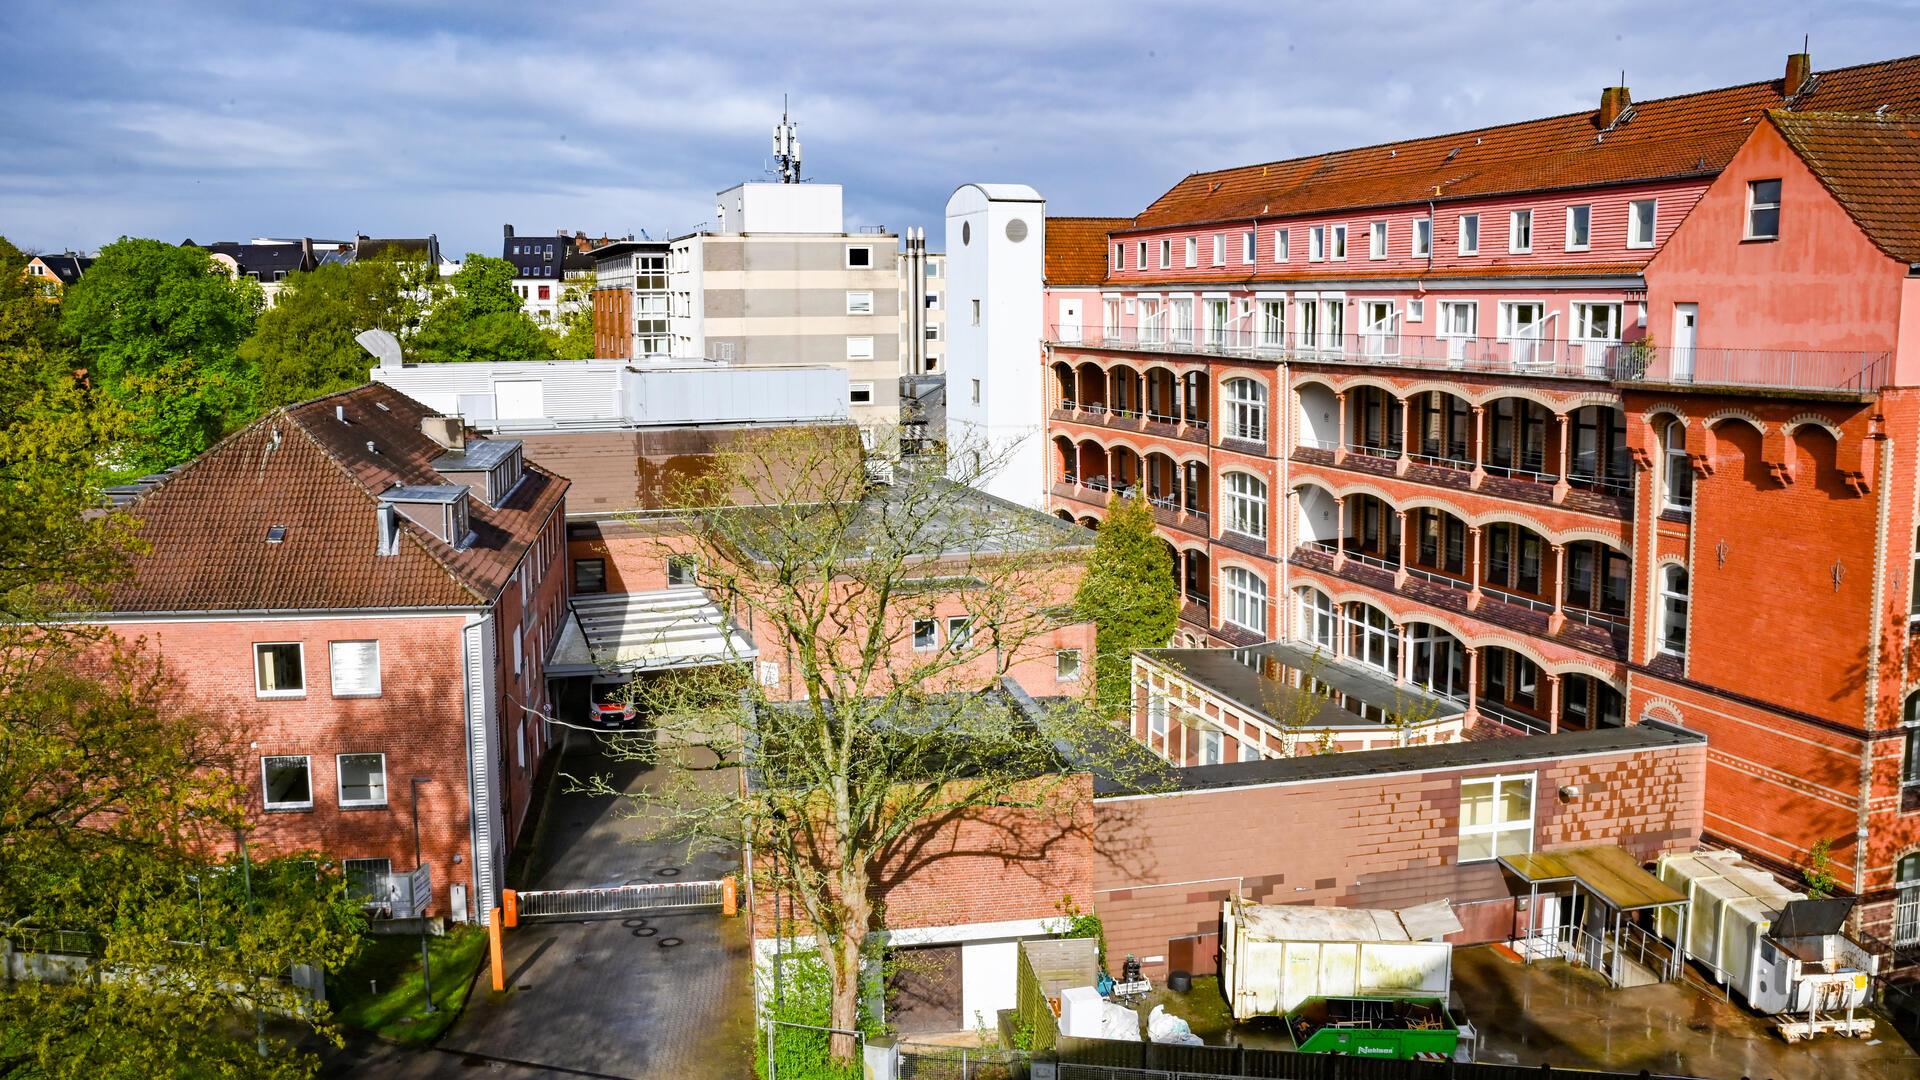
{"type": "Point", "coordinates": [1874, 638]}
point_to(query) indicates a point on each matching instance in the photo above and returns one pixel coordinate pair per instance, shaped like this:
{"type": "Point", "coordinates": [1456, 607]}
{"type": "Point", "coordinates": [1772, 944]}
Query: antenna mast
{"type": "Point", "coordinates": [786, 147]}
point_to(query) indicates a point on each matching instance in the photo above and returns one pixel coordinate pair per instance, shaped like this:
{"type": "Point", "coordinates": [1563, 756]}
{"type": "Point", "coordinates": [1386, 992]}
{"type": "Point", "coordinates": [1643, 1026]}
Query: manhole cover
{"type": "Point", "coordinates": [668, 942]}
{"type": "Point", "coordinates": [644, 931]}
{"type": "Point", "coordinates": [668, 871]}
{"type": "Point", "coordinates": [631, 923]}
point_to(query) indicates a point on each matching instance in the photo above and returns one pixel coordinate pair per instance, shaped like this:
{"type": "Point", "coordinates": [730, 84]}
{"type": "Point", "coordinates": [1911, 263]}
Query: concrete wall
{"type": "Point", "coordinates": [995, 396]}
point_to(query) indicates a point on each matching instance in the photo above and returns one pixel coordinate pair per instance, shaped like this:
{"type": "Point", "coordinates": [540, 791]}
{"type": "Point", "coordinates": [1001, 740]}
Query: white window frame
{"type": "Point", "coordinates": [1192, 252]}
{"type": "Point", "coordinates": [1280, 252]}
{"type": "Point", "coordinates": [1498, 827]}
{"type": "Point", "coordinates": [266, 788]}
{"type": "Point", "coordinates": [1446, 330]}
{"type": "Point", "coordinates": [1212, 745]}
{"type": "Point", "coordinates": [1248, 750]}
{"type": "Point", "coordinates": [1166, 253]}
{"type": "Point", "coordinates": [1317, 243]}
{"type": "Point", "coordinates": [1416, 309]}
{"type": "Point", "coordinates": [1273, 322]}
{"type": "Point", "coordinates": [1674, 458]}
{"type": "Point", "coordinates": [1508, 331]}
{"type": "Point", "coordinates": [859, 301]}
{"type": "Point", "coordinates": [340, 779]}
{"type": "Point", "coordinates": [1519, 221]}
{"type": "Point", "coordinates": [933, 635]}
{"type": "Point", "coordinates": [858, 351]}
{"type": "Point", "coordinates": [1469, 223]}
{"type": "Point", "coordinates": [1246, 596]}
{"type": "Point", "coordinates": [1337, 244]}
{"type": "Point", "coordinates": [1219, 249]}
{"type": "Point", "coordinates": [860, 393]}
{"type": "Point", "coordinates": [1246, 414]}
{"type": "Point", "coordinates": [1140, 255]}
{"type": "Point", "coordinates": [260, 691]}
{"type": "Point", "coordinates": [1156, 714]}
{"type": "Point", "coordinates": [1244, 504]}
{"type": "Point", "coordinates": [1422, 237]}
{"type": "Point", "coordinates": [1060, 661]}
{"type": "Point", "coordinates": [1671, 599]}
{"type": "Point", "coordinates": [1250, 247]}
{"type": "Point", "coordinates": [1582, 313]}
{"type": "Point", "coordinates": [1319, 618]}
{"type": "Point", "coordinates": [333, 666]}
{"type": "Point", "coordinates": [1377, 240]}
{"type": "Point", "coordinates": [1754, 204]}
{"type": "Point", "coordinates": [1634, 239]}
{"type": "Point", "coordinates": [1573, 212]}
{"type": "Point", "coordinates": [1906, 902]}
{"type": "Point", "coordinates": [851, 265]}
{"type": "Point", "coordinates": [959, 632]}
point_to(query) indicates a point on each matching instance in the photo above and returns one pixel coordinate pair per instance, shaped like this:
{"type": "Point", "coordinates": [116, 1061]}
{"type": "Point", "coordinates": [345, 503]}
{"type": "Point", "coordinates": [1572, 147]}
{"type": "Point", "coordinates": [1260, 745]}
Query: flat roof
{"type": "Point", "coordinates": [1404, 759]}
{"type": "Point", "coordinates": [625, 633]}
{"type": "Point", "coordinates": [1605, 870]}
{"type": "Point", "coordinates": [479, 455]}
{"type": "Point", "coordinates": [1260, 679]}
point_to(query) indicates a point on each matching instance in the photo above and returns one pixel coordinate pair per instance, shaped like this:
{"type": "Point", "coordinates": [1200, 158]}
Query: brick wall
{"type": "Point", "coordinates": [989, 865]}
{"type": "Point", "coordinates": [417, 721]}
{"type": "Point", "coordinates": [1164, 863]}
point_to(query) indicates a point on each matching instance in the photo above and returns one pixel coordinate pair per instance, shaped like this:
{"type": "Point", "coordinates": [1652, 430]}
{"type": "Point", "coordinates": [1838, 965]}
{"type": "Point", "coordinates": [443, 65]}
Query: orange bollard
{"type": "Point", "coordinates": [493, 947]}
{"type": "Point", "coordinates": [729, 896]}
{"type": "Point", "coordinates": [512, 901]}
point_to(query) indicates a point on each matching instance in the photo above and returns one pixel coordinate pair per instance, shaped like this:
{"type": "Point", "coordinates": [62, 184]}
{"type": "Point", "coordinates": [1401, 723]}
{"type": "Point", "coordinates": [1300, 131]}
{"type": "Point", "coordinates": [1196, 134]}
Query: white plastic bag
{"type": "Point", "coordinates": [1164, 1027]}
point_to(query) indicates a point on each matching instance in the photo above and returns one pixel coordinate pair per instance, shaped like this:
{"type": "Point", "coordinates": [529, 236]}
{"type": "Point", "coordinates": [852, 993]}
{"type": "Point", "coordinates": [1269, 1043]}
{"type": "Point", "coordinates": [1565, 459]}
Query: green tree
{"type": "Point", "coordinates": [158, 328]}
{"type": "Point", "coordinates": [1129, 594]}
{"type": "Point", "coordinates": [304, 345]}
{"type": "Point", "coordinates": [481, 319]}
{"type": "Point", "coordinates": [571, 338]}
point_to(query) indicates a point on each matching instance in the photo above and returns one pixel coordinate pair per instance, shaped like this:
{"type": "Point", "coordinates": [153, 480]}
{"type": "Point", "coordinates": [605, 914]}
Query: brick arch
{"type": "Point", "coordinates": [1580, 401]}
{"type": "Point", "coordinates": [1803, 419]}
{"type": "Point", "coordinates": [1574, 536]}
{"type": "Point", "coordinates": [1723, 415]}
{"type": "Point", "coordinates": [1665, 408]}
{"type": "Point", "coordinates": [1423, 386]}
{"type": "Point", "coordinates": [1432, 502]}
{"type": "Point", "coordinates": [1504, 516]}
{"type": "Point", "coordinates": [1591, 670]}
{"type": "Point", "coordinates": [1513, 645]}
{"type": "Point", "coordinates": [1432, 619]}
{"type": "Point", "coordinates": [1313, 378]}
{"type": "Point", "coordinates": [1376, 381]}
{"type": "Point", "coordinates": [1187, 544]}
{"type": "Point", "coordinates": [1662, 709]}
{"type": "Point", "coordinates": [1492, 394]}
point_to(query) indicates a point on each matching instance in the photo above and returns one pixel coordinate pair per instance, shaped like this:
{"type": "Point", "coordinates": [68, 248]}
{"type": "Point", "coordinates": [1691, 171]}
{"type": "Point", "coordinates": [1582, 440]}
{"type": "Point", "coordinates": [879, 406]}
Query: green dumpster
{"type": "Point", "coordinates": [1398, 1028]}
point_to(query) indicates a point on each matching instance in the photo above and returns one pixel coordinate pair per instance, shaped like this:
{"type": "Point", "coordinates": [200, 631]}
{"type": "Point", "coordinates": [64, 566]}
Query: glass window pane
{"type": "Point", "coordinates": [363, 778]}
{"type": "Point", "coordinates": [1479, 846]}
{"type": "Point", "coordinates": [1516, 800]}
{"type": "Point", "coordinates": [1476, 803]}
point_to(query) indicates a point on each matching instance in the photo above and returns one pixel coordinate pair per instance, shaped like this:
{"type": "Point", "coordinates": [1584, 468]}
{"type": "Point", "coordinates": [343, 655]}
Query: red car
{"type": "Point", "coordinates": [611, 709]}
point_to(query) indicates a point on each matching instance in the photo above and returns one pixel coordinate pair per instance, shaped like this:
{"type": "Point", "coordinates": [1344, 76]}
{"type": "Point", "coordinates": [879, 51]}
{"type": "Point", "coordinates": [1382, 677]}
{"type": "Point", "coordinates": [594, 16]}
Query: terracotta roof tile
{"type": "Point", "coordinates": [1871, 165]}
{"type": "Point", "coordinates": [1077, 249]}
{"type": "Point", "coordinates": [301, 468]}
{"type": "Point", "coordinates": [1684, 136]}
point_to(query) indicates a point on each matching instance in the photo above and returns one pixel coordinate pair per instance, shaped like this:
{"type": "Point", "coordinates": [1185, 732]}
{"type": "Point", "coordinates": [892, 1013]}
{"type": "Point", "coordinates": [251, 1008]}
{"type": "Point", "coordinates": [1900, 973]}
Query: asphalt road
{"type": "Point", "coordinates": [653, 995]}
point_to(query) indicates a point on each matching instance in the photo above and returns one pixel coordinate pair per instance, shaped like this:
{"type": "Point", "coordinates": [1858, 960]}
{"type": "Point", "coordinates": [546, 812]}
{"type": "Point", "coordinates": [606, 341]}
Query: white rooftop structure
{"type": "Point", "coordinates": [780, 208]}
{"type": "Point", "coordinates": [586, 395]}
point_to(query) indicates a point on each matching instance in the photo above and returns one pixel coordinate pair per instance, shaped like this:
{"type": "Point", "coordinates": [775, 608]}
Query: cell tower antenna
{"type": "Point", "coordinates": [786, 147]}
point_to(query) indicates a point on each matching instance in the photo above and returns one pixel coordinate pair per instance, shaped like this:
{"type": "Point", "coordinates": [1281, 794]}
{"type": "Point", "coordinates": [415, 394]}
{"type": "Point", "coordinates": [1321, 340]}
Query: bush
{"type": "Point", "coordinates": [806, 997]}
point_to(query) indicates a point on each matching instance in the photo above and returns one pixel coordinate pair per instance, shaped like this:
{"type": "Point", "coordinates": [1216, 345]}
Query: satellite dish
{"type": "Point", "coordinates": [383, 345]}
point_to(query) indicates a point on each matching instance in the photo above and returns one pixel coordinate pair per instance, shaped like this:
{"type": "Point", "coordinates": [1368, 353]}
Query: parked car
{"type": "Point", "coordinates": [611, 709]}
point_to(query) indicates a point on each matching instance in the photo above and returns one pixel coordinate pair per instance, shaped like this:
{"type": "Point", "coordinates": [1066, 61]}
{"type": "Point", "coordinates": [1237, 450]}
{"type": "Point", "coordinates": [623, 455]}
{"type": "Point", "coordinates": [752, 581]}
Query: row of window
{"type": "Point", "coordinates": [280, 668]}
{"type": "Point", "coordinates": [286, 780]}
{"type": "Point", "coordinates": [590, 575]}
{"type": "Point", "coordinates": [1328, 243]}
{"type": "Point", "coordinates": [543, 250]}
{"type": "Point", "coordinates": [1321, 320]}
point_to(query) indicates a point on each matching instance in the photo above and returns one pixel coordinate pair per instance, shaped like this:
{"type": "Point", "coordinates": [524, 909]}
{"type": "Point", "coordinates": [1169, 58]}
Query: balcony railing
{"type": "Point", "coordinates": [1847, 372]}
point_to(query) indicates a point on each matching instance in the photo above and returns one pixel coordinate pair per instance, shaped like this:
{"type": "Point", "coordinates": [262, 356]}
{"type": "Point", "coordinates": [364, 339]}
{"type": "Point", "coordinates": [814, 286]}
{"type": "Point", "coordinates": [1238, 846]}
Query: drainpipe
{"type": "Point", "coordinates": [1861, 831]}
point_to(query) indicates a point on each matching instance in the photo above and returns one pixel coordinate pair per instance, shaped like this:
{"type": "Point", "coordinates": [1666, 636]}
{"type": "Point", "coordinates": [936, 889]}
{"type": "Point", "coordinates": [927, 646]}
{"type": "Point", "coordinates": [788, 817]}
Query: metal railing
{"type": "Point", "coordinates": [1603, 619]}
{"type": "Point", "coordinates": [614, 899]}
{"type": "Point", "coordinates": [1606, 485]}
{"type": "Point", "coordinates": [1841, 371]}
{"type": "Point", "coordinates": [1532, 725]}
{"type": "Point", "coordinates": [1442, 461]}
{"type": "Point", "coordinates": [1516, 598]}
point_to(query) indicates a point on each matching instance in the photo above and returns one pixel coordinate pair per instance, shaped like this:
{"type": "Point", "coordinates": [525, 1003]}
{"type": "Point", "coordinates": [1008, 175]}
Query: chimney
{"type": "Point", "coordinates": [1613, 101]}
{"type": "Point", "coordinates": [448, 431]}
{"type": "Point", "coordinates": [509, 231]}
{"type": "Point", "coordinates": [1799, 70]}
{"type": "Point", "coordinates": [306, 251]}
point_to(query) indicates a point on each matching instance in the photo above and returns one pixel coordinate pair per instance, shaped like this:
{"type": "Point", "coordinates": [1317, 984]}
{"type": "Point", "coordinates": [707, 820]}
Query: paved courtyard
{"type": "Point", "coordinates": [652, 996]}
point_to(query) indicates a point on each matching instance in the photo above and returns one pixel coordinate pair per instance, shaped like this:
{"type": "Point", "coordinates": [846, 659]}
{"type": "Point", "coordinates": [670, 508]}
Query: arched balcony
{"type": "Point", "coordinates": [1597, 456]}
{"type": "Point", "coordinates": [1066, 461]}
{"type": "Point", "coordinates": [1375, 423]}
{"type": "Point", "coordinates": [1518, 434]}
{"type": "Point", "coordinates": [1066, 386]}
{"type": "Point", "coordinates": [1123, 391]}
{"type": "Point", "coordinates": [1196, 578]}
{"type": "Point", "coordinates": [1160, 393]}
{"type": "Point", "coordinates": [1125, 469]}
{"type": "Point", "coordinates": [1092, 462]}
{"type": "Point", "coordinates": [1090, 387]}
{"type": "Point", "coordinates": [1318, 414]}
{"type": "Point", "coordinates": [1441, 431]}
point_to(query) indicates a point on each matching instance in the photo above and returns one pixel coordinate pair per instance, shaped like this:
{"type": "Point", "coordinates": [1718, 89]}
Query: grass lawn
{"type": "Point", "coordinates": [380, 992]}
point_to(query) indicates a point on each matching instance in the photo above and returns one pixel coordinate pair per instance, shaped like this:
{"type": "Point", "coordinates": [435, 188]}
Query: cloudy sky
{"type": "Point", "coordinates": [218, 120]}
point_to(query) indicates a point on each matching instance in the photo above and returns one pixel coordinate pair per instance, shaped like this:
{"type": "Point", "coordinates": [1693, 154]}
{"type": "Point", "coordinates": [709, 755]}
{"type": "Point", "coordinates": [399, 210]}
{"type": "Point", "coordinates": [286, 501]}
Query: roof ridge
{"type": "Point", "coordinates": [174, 472]}
{"type": "Point", "coordinates": [374, 498]}
{"type": "Point", "coordinates": [1521, 123]}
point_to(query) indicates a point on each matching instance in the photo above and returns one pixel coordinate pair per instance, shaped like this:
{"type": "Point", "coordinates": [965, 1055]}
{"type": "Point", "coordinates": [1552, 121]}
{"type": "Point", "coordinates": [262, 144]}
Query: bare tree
{"type": "Point", "coordinates": [835, 559]}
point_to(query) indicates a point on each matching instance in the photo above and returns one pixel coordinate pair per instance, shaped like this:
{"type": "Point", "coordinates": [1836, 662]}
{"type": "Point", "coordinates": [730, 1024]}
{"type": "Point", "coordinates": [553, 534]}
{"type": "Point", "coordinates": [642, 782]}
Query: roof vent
{"type": "Point", "coordinates": [372, 449]}
{"type": "Point", "coordinates": [340, 413]}
{"type": "Point", "coordinates": [1615, 104]}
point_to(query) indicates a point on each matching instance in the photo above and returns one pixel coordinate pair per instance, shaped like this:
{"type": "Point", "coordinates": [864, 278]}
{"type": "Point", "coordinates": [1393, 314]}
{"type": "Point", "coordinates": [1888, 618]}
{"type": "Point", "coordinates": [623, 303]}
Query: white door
{"type": "Point", "coordinates": [1686, 331]}
{"type": "Point", "coordinates": [1069, 320]}
{"type": "Point", "coordinates": [520, 399]}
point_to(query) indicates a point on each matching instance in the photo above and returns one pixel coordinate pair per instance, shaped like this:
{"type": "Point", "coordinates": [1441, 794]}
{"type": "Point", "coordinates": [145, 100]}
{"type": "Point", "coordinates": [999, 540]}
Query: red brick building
{"type": "Point", "coordinates": [1576, 422]}
{"type": "Point", "coordinates": [370, 594]}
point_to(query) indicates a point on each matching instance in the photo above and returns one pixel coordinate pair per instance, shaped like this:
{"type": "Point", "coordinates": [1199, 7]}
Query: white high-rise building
{"type": "Point", "coordinates": [996, 260]}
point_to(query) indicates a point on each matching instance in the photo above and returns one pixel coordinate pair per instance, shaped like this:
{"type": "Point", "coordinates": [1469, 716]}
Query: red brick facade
{"type": "Point", "coordinates": [1163, 863]}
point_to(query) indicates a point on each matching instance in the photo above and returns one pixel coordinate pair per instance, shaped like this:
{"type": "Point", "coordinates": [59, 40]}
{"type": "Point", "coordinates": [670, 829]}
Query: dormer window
{"type": "Point", "coordinates": [441, 509]}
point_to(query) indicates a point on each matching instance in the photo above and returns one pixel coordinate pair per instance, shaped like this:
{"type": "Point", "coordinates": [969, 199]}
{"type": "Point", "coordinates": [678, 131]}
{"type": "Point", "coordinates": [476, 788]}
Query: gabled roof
{"type": "Point", "coordinates": [1691, 135]}
{"type": "Point", "coordinates": [405, 247]}
{"type": "Point", "coordinates": [67, 267]}
{"type": "Point", "coordinates": [1077, 249]}
{"type": "Point", "coordinates": [1870, 163]}
{"type": "Point", "coordinates": [263, 260]}
{"type": "Point", "coordinates": [301, 468]}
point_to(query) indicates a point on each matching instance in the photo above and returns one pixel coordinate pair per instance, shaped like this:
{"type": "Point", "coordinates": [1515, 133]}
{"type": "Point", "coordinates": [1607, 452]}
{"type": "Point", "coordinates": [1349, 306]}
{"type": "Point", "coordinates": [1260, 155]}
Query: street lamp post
{"type": "Point", "coordinates": [426, 966]}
